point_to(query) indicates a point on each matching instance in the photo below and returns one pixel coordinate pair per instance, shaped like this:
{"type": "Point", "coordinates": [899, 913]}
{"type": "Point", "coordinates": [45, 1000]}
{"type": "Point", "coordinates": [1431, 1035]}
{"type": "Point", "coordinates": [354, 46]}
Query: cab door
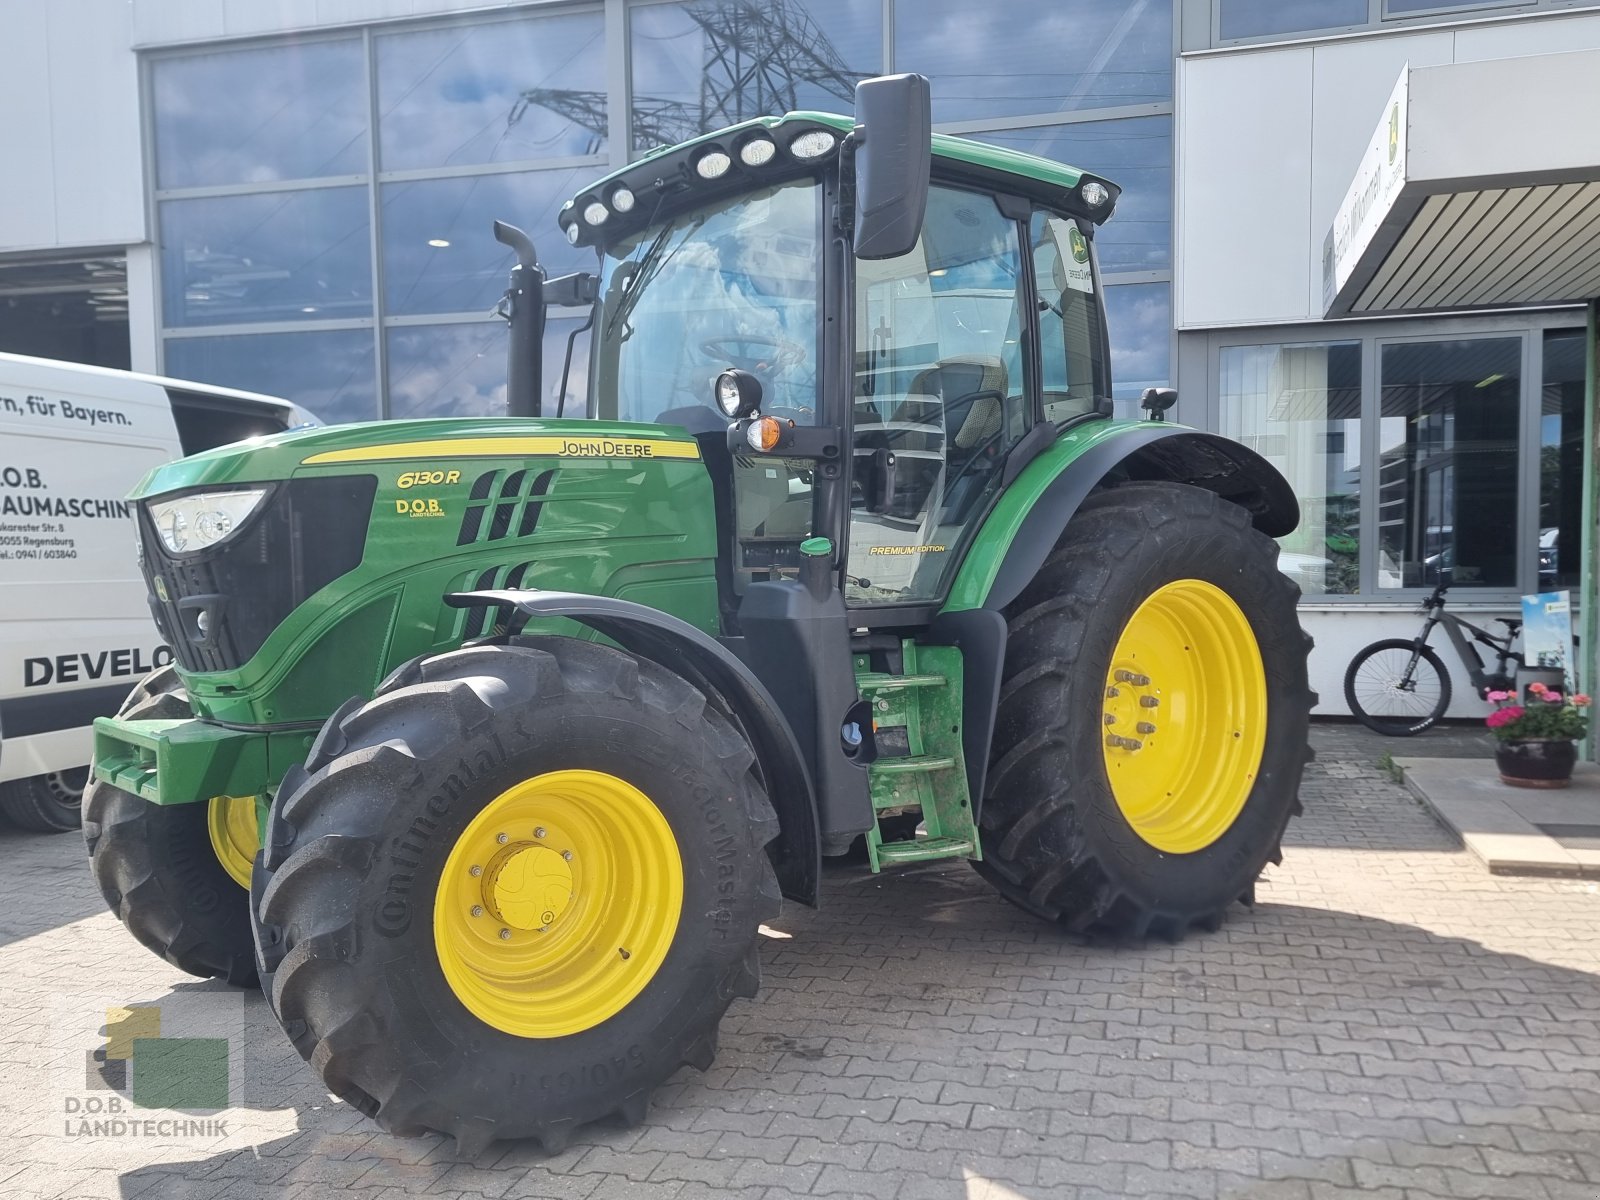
{"type": "Point", "coordinates": [941, 394]}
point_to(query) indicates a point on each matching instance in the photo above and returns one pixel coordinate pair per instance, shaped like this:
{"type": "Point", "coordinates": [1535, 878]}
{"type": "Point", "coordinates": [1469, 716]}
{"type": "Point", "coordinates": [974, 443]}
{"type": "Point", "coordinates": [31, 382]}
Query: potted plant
{"type": "Point", "coordinates": [1538, 739]}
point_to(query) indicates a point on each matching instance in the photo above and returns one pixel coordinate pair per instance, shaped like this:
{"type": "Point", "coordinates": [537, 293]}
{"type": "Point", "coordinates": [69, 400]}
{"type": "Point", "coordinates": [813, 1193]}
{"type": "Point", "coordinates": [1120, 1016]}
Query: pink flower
{"type": "Point", "coordinates": [1552, 697]}
{"type": "Point", "coordinates": [1538, 689]}
{"type": "Point", "coordinates": [1581, 700]}
{"type": "Point", "coordinates": [1504, 716]}
{"type": "Point", "coordinates": [1497, 697]}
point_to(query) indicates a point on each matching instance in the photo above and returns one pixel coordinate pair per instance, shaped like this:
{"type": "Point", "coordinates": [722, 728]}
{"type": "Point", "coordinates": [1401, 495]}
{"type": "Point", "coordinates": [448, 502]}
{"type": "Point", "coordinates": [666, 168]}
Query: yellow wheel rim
{"type": "Point", "coordinates": [558, 904]}
{"type": "Point", "coordinates": [235, 836]}
{"type": "Point", "coordinates": [1185, 716]}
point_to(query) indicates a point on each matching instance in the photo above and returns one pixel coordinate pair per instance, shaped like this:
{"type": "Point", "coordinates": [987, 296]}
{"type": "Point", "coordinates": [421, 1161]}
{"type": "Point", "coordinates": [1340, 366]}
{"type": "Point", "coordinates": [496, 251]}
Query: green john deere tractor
{"type": "Point", "coordinates": [492, 742]}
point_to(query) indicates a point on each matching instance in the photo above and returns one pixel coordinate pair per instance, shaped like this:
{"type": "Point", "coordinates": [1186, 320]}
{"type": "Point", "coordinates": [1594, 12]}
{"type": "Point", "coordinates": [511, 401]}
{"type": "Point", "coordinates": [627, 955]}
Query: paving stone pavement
{"type": "Point", "coordinates": [1389, 1022]}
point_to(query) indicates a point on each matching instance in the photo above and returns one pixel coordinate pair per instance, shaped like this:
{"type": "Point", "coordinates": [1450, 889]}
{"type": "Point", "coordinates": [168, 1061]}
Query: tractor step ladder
{"type": "Point", "coordinates": [930, 780]}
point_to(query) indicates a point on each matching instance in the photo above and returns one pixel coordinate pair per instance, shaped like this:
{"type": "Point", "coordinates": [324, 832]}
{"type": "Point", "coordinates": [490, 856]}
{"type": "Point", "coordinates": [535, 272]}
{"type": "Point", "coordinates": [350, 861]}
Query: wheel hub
{"type": "Point", "coordinates": [530, 887]}
{"type": "Point", "coordinates": [1184, 716]}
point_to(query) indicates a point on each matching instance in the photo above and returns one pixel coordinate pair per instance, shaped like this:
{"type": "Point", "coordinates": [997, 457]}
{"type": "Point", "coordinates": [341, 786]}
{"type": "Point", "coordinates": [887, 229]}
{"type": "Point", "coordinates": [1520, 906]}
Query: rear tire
{"type": "Point", "coordinates": [1369, 683]}
{"type": "Point", "coordinates": [50, 803]}
{"type": "Point", "coordinates": [156, 866]}
{"type": "Point", "coordinates": [364, 968]}
{"type": "Point", "coordinates": [1059, 839]}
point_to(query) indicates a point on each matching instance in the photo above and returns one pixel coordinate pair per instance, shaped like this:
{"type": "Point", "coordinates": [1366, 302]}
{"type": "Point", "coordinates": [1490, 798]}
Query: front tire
{"type": "Point", "coordinates": [432, 994]}
{"type": "Point", "coordinates": [1376, 699]}
{"type": "Point", "coordinates": [1153, 718]}
{"type": "Point", "coordinates": [159, 868]}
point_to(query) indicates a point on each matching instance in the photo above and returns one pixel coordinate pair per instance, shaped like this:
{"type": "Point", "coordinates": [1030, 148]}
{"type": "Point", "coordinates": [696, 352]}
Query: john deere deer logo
{"type": "Point", "coordinates": [1079, 246]}
{"type": "Point", "coordinates": [1394, 133]}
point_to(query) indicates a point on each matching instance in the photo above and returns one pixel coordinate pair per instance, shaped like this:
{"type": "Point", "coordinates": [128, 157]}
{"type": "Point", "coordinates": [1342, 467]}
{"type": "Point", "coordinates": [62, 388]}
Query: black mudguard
{"type": "Point", "coordinates": [711, 667]}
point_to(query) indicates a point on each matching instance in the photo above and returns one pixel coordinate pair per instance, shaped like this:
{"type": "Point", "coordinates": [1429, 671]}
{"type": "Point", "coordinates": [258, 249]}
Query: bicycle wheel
{"type": "Point", "coordinates": [1384, 698]}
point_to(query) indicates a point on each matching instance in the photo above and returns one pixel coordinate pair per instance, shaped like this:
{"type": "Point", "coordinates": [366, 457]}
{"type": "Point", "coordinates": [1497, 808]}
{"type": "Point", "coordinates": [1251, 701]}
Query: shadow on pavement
{"type": "Point", "coordinates": [48, 883]}
{"type": "Point", "coordinates": [919, 1032]}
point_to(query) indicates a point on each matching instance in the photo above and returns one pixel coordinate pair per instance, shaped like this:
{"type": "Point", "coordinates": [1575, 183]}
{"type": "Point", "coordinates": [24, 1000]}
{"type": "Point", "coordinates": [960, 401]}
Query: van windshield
{"type": "Point", "coordinates": [733, 284]}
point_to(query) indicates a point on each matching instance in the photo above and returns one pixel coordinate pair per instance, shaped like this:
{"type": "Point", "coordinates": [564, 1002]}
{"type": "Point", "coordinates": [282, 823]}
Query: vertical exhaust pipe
{"type": "Point", "coordinates": [523, 308]}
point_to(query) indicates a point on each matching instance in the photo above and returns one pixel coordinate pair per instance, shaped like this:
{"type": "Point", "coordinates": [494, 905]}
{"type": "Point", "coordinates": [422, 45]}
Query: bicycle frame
{"type": "Point", "coordinates": [1465, 650]}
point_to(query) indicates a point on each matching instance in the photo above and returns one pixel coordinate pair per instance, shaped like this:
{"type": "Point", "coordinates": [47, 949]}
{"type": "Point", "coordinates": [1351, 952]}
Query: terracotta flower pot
{"type": "Point", "coordinates": [1536, 762]}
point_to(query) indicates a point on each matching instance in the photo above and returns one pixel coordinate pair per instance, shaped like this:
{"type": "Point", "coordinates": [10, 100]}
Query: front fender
{"type": "Point", "coordinates": [711, 667]}
{"type": "Point", "coordinates": [1029, 519]}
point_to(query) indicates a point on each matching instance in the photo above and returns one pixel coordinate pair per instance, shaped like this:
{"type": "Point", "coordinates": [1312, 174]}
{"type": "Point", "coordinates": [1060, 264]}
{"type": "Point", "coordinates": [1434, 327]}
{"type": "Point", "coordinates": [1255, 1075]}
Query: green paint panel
{"type": "Point", "coordinates": [987, 551]}
{"type": "Point", "coordinates": [184, 762]}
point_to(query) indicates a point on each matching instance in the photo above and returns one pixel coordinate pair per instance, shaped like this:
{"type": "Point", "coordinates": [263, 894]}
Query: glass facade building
{"type": "Point", "coordinates": [322, 204]}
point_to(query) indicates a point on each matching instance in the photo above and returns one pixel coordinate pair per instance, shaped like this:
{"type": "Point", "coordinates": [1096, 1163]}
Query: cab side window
{"type": "Point", "coordinates": [940, 395]}
{"type": "Point", "coordinates": [1071, 366]}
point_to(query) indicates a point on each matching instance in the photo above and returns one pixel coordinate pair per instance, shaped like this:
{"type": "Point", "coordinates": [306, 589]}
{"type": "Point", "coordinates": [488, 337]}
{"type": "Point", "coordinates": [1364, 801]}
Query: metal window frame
{"type": "Point", "coordinates": [1378, 19]}
{"type": "Point", "coordinates": [1530, 325]}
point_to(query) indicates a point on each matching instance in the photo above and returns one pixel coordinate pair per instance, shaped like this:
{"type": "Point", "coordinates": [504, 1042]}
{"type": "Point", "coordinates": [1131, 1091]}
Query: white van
{"type": "Point", "coordinates": [75, 627]}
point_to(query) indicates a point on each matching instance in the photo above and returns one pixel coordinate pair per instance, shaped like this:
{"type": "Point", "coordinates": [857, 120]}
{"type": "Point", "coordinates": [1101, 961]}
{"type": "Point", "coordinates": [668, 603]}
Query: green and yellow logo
{"type": "Point", "coordinates": [153, 1071]}
{"type": "Point", "coordinates": [1079, 245]}
{"type": "Point", "coordinates": [1394, 132]}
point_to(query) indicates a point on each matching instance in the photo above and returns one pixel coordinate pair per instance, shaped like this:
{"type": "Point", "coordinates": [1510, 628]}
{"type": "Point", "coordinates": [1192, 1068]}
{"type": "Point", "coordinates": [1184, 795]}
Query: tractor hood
{"type": "Point", "coordinates": [280, 456]}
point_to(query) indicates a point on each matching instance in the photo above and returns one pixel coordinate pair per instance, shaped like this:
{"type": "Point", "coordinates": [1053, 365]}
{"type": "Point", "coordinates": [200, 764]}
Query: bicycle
{"type": "Point", "coordinates": [1400, 687]}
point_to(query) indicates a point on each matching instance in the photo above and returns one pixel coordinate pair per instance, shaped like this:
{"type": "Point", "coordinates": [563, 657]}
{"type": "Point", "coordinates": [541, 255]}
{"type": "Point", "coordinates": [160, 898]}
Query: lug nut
{"type": "Point", "coordinates": [1145, 727]}
{"type": "Point", "coordinates": [539, 832]}
{"type": "Point", "coordinates": [1110, 720]}
{"type": "Point", "coordinates": [505, 935]}
{"type": "Point", "coordinates": [1112, 693]}
{"type": "Point", "coordinates": [477, 910]}
{"type": "Point", "coordinates": [567, 854]}
{"type": "Point", "coordinates": [475, 871]}
{"type": "Point", "coordinates": [501, 838]}
{"type": "Point", "coordinates": [1149, 702]}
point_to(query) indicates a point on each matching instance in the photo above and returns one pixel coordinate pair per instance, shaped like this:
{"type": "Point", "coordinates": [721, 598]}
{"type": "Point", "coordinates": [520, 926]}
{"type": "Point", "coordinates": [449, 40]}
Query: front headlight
{"type": "Point", "coordinates": [200, 521]}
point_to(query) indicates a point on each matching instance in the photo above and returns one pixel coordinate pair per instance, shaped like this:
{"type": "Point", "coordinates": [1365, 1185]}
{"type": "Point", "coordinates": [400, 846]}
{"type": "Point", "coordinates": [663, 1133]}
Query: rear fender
{"type": "Point", "coordinates": [711, 667]}
{"type": "Point", "coordinates": [1030, 518]}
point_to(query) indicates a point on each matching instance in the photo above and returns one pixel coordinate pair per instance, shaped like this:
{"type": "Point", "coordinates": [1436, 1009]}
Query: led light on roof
{"type": "Point", "coordinates": [1095, 194]}
{"type": "Point", "coordinates": [622, 200]}
{"type": "Point", "coordinates": [595, 213]}
{"type": "Point", "coordinates": [713, 164]}
{"type": "Point", "coordinates": [574, 233]}
{"type": "Point", "coordinates": [758, 152]}
{"type": "Point", "coordinates": [813, 143]}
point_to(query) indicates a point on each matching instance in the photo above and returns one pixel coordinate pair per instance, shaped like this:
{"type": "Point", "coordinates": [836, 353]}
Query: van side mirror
{"type": "Point", "coordinates": [893, 151]}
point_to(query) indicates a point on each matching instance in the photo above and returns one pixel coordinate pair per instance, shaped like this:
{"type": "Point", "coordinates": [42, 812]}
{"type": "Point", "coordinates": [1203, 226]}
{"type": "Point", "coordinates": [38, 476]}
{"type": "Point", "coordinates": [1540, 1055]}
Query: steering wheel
{"type": "Point", "coordinates": [770, 353]}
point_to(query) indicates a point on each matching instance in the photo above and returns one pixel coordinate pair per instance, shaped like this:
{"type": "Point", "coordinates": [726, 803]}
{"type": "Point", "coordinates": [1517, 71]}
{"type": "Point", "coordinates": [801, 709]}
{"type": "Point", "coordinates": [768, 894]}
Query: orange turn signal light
{"type": "Point", "coordinates": [766, 434]}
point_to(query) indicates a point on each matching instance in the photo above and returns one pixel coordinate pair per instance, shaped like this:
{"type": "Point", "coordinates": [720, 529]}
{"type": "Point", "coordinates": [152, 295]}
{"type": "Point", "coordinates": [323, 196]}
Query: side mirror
{"type": "Point", "coordinates": [893, 152]}
{"type": "Point", "coordinates": [1156, 401]}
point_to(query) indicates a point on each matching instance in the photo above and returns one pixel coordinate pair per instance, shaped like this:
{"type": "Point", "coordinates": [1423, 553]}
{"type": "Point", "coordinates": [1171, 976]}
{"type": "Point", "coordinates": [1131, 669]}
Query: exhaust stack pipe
{"type": "Point", "coordinates": [523, 308]}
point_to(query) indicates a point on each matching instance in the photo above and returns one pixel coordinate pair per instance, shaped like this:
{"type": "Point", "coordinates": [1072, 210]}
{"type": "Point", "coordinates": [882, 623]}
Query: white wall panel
{"type": "Point", "coordinates": [159, 21]}
{"type": "Point", "coordinates": [94, 124]}
{"type": "Point", "coordinates": [1244, 187]}
{"type": "Point", "coordinates": [1528, 37]}
{"type": "Point", "coordinates": [27, 202]}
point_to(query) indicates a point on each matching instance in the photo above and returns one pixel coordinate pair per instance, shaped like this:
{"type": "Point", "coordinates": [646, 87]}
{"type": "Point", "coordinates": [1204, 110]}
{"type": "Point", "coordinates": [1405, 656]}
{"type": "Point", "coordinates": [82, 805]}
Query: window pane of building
{"type": "Point", "coordinates": [331, 372]}
{"type": "Point", "coordinates": [1447, 462]}
{"type": "Point", "coordinates": [1403, 8]}
{"type": "Point", "coordinates": [460, 370]}
{"type": "Point", "coordinates": [279, 256]}
{"type": "Point", "coordinates": [254, 116]}
{"type": "Point", "coordinates": [1263, 18]}
{"type": "Point", "coordinates": [504, 91]}
{"type": "Point", "coordinates": [1561, 460]}
{"type": "Point", "coordinates": [1135, 153]}
{"type": "Point", "coordinates": [1140, 319]}
{"type": "Point", "coordinates": [467, 272]}
{"type": "Point", "coordinates": [1299, 407]}
{"type": "Point", "coordinates": [1040, 56]}
{"type": "Point", "coordinates": [701, 66]}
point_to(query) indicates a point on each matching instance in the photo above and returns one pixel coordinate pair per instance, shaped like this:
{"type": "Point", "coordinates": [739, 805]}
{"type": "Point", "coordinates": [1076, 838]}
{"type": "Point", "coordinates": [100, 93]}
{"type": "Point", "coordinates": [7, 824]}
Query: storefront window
{"type": "Point", "coordinates": [1265, 18]}
{"type": "Point", "coordinates": [700, 66]}
{"type": "Point", "coordinates": [1561, 460]}
{"type": "Point", "coordinates": [1087, 54]}
{"type": "Point", "coordinates": [1299, 407]}
{"type": "Point", "coordinates": [1448, 463]}
{"type": "Point", "coordinates": [1139, 319]}
{"type": "Point", "coordinates": [330, 372]}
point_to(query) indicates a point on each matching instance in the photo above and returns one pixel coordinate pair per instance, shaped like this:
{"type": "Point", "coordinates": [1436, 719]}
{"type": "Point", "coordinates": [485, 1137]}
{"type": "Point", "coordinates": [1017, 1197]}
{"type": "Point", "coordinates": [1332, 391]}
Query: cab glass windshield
{"type": "Point", "coordinates": [734, 284]}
